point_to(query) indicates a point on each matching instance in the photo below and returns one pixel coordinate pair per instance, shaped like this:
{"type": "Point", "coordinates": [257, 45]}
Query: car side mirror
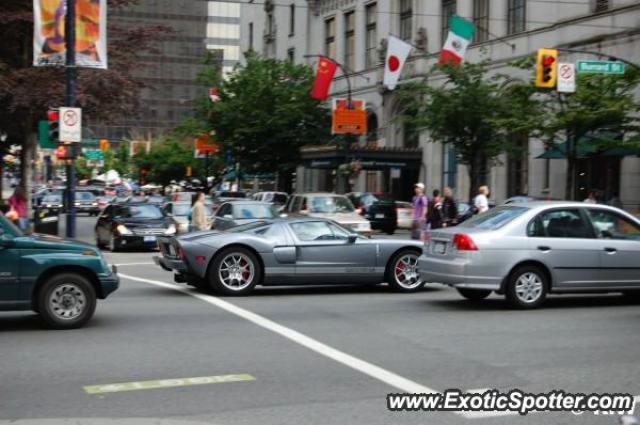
{"type": "Point", "coordinates": [352, 238]}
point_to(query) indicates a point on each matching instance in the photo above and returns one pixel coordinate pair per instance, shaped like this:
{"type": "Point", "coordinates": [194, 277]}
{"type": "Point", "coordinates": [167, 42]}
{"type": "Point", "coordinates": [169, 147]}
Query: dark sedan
{"type": "Point", "coordinates": [132, 225]}
{"type": "Point", "coordinates": [378, 209]}
{"type": "Point", "coordinates": [87, 202]}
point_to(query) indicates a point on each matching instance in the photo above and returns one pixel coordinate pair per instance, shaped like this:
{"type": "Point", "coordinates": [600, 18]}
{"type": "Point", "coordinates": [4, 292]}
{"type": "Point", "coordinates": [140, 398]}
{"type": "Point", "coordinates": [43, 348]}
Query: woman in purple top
{"type": "Point", "coordinates": [420, 206]}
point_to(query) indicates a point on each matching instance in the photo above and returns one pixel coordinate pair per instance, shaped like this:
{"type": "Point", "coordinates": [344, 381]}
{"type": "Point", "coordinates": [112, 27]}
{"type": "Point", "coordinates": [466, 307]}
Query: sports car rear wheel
{"type": "Point", "coordinates": [402, 272]}
{"type": "Point", "coordinates": [235, 271]}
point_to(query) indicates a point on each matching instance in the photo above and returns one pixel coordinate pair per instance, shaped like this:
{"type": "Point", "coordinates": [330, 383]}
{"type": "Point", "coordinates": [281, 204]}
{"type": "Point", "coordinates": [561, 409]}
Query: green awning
{"type": "Point", "coordinates": [594, 145]}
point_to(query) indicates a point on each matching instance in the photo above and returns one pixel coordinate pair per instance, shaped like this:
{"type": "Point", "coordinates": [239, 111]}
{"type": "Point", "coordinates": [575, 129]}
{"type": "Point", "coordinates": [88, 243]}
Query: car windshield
{"type": "Point", "coordinates": [330, 204]}
{"type": "Point", "coordinates": [139, 211]}
{"type": "Point", "coordinates": [52, 198]}
{"type": "Point", "coordinates": [84, 196]}
{"type": "Point", "coordinates": [156, 198]}
{"type": "Point", "coordinates": [8, 227]}
{"type": "Point", "coordinates": [253, 211]}
{"type": "Point", "coordinates": [277, 198]}
{"type": "Point", "coordinates": [495, 218]}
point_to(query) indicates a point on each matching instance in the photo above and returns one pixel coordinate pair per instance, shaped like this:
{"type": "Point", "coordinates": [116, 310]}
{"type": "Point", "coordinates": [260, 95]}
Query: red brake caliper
{"type": "Point", "coordinates": [245, 273]}
{"type": "Point", "coordinates": [399, 268]}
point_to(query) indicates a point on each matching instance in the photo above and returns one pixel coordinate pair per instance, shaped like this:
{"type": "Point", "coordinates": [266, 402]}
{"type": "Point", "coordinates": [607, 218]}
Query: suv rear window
{"type": "Point", "coordinates": [494, 218]}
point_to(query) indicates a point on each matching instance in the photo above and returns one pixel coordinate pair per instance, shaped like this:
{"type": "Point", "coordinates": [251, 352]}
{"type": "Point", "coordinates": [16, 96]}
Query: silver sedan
{"type": "Point", "coordinates": [528, 250]}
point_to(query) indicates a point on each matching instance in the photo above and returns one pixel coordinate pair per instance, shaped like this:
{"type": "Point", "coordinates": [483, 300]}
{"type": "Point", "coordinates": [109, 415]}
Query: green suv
{"type": "Point", "coordinates": [59, 279]}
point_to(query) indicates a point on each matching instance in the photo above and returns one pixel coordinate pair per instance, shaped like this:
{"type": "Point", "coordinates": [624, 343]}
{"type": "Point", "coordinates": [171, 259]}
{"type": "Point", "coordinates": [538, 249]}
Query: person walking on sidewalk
{"type": "Point", "coordinates": [420, 210]}
{"type": "Point", "coordinates": [449, 208]}
{"type": "Point", "coordinates": [434, 216]}
{"type": "Point", "coordinates": [18, 208]}
{"type": "Point", "coordinates": [481, 201]}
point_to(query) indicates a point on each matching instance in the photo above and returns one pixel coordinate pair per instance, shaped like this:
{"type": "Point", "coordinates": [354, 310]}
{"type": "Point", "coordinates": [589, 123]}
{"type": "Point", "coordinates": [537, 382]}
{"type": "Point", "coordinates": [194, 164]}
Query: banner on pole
{"type": "Point", "coordinates": [49, 47]}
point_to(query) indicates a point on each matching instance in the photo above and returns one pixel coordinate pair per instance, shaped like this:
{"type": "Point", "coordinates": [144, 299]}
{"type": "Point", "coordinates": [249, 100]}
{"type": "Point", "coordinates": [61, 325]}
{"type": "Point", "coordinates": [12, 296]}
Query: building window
{"type": "Point", "coordinates": [448, 10]}
{"type": "Point", "coordinates": [406, 19]}
{"type": "Point", "coordinates": [330, 38]}
{"type": "Point", "coordinates": [292, 19]}
{"type": "Point", "coordinates": [350, 40]}
{"type": "Point", "coordinates": [270, 24]}
{"type": "Point", "coordinates": [516, 15]}
{"type": "Point", "coordinates": [411, 136]}
{"type": "Point", "coordinates": [449, 167]}
{"type": "Point", "coordinates": [250, 35]}
{"type": "Point", "coordinates": [600, 5]}
{"type": "Point", "coordinates": [372, 127]}
{"type": "Point", "coordinates": [481, 20]}
{"type": "Point", "coordinates": [371, 41]}
{"type": "Point", "coordinates": [291, 55]}
{"type": "Point", "coordinates": [518, 166]}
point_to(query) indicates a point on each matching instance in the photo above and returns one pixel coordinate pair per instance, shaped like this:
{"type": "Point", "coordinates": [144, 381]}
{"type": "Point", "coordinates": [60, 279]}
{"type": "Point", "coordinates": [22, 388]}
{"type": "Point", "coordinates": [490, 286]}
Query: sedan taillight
{"type": "Point", "coordinates": [464, 242]}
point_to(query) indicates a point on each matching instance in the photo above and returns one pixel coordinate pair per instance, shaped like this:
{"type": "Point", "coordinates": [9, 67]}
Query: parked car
{"type": "Point", "coordinates": [276, 198]}
{"type": "Point", "coordinates": [289, 251]}
{"type": "Point", "coordinates": [328, 205]}
{"type": "Point", "coordinates": [379, 209]}
{"type": "Point", "coordinates": [57, 278]}
{"type": "Point", "coordinates": [156, 200]}
{"type": "Point", "coordinates": [132, 225]}
{"type": "Point", "coordinates": [528, 250]}
{"type": "Point", "coordinates": [232, 214]}
{"type": "Point", "coordinates": [180, 212]}
{"type": "Point", "coordinates": [404, 211]}
{"type": "Point", "coordinates": [86, 202]}
{"type": "Point", "coordinates": [52, 201]}
{"type": "Point", "coordinates": [182, 196]}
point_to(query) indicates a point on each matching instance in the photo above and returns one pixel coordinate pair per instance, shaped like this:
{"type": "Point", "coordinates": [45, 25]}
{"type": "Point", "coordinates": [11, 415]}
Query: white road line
{"type": "Point", "coordinates": [133, 264]}
{"type": "Point", "coordinates": [376, 372]}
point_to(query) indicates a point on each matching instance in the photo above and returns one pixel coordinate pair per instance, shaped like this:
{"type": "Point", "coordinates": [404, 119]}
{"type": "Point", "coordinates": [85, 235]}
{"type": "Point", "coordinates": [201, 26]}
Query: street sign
{"type": "Point", "coordinates": [349, 119]}
{"type": "Point", "coordinates": [566, 78]}
{"type": "Point", "coordinates": [600, 67]}
{"type": "Point", "coordinates": [95, 163]}
{"type": "Point", "coordinates": [94, 155]}
{"type": "Point", "coordinates": [70, 125]}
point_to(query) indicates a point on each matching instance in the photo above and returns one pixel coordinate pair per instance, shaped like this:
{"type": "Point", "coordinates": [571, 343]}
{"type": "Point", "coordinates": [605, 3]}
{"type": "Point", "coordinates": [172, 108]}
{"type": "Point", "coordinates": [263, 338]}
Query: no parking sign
{"type": "Point", "coordinates": [566, 78]}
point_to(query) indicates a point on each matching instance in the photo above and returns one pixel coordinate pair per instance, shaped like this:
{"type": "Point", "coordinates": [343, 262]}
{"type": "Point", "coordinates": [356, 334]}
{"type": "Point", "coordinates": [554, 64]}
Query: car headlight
{"type": "Point", "coordinates": [94, 204]}
{"type": "Point", "coordinates": [122, 229]}
{"type": "Point", "coordinates": [170, 230]}
{"type": "Point", "coordinates": [362, 226]}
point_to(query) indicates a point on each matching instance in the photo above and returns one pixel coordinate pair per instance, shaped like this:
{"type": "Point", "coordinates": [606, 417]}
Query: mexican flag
{"type": "Point", "coordinates": [460, 35]}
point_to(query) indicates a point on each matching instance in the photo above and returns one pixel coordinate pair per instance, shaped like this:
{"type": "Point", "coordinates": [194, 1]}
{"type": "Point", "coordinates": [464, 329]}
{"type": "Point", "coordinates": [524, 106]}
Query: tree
{"type": "Point", "coordinates": [603, 110]}
{"type": "Point", "coordinates": [265, 115]}
{"type": "Point", "coordinates": [26, 91]}
{"type": "Point", "coordinates": [474, 113]}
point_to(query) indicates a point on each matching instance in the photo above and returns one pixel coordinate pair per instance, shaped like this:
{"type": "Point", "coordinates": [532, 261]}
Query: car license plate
{"type": "Point", "coordinates": [440, 247]}
{"type": "Point", "coordinates": [379, 215]}
{"type": "Point", "coordinates": [149, 239]}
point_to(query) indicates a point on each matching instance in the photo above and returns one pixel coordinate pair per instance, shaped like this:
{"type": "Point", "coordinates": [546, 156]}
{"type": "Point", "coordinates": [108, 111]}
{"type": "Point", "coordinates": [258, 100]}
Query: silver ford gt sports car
{"type": "Point", "coordinates": [288, 252]}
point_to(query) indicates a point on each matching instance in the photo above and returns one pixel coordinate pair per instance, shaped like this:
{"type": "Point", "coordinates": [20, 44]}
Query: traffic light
{"type": "Point", "coordinates": [546, 66]}
{"type": "Point", "coordinates": [66, 152]}
{"type": "Point", "coordinates": [104, 145]}
{"type": "Point", "coordinates": [53, 118]}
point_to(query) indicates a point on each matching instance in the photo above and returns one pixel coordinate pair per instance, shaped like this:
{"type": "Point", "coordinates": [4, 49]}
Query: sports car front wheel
{"type": "Point", "coordinates": [402, 272]}
{"type": "Point", "coordinates": [235, 271]}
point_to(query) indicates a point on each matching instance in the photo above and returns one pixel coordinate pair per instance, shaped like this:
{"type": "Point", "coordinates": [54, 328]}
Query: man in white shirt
{"type": "Point", "coordinates": [481, 202]}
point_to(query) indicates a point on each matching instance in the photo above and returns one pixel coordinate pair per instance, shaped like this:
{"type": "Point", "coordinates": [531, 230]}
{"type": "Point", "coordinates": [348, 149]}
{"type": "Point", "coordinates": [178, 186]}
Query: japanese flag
{"type": "Point", "coordinates": [397, 53]}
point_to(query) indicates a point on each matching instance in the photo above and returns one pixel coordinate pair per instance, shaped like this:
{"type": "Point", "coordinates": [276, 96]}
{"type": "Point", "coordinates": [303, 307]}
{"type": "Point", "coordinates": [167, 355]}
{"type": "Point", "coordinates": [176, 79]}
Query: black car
{"type": "Point", "coordinates": [379, 209]}
{"type": "Point", "coordinates": [132, 225]}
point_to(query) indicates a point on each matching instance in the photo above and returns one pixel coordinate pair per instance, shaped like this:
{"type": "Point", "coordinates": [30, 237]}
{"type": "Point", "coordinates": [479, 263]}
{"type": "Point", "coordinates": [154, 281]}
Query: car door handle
{"type": "Point", "coordinates": [611, 250]}
{"type": "Point", "coordinates": [544, 248]}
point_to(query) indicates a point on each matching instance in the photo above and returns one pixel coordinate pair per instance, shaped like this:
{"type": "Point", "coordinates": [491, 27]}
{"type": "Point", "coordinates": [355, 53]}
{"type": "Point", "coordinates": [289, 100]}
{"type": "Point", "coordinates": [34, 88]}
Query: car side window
{"type": "Point", "coordinates": [338, 232]}
{"type": "Point", "coordinates": [225, 209]}
{"type": "Point", "coordinates": [611, 225]}
{"type": "Point", "coordinates": [296, 204]}
{"type": "Point", "coordinates": [312, 231]}
{"type": "Point", "coordinates": [560, 223]}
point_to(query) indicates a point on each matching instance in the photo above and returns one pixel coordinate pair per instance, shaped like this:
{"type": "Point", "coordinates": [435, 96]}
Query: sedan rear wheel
{"type": "Point", "coordinates": [235, 271]}
{"type": "Point", "coordinates": [527, 287]}
{"type": "Point", "coordinates": [402, 272]}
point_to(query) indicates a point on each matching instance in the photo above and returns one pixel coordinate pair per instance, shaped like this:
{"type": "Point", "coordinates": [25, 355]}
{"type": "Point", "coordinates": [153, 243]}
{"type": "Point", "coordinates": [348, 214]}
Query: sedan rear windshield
{"type": "Point", "coordinates": [84, 196]}
{"type": "Point", "coordinates": [494, 218]}
{"type": "Point", "coordinates": [253, 211]}
{"type": "Point", "coordinates": [139, 211]}
{"type": "Point", "coordinates": [330, 204]}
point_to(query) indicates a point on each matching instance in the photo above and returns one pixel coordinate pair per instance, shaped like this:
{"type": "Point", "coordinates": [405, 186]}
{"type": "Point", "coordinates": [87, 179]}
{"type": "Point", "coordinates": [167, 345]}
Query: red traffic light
{"type": "Point", "coordinates": [548, 60]}
{"type": "Point", "coordinates": [61, 152]}
{"type": "Point", "coordinates": [52, 116]}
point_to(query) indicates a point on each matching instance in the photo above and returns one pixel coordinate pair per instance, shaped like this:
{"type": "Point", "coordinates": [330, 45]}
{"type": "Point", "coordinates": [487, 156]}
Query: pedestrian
{"type": "Point", "coordinates": [434, 215]}
{"type": "Point", "coordinates": [18, 208]}
{"type": "Point", "coordinates": [420, 209]}
{"type": "Point", "coordinates": [481, 201]}
{"type": "Point", "coordinates": [198, 213]}
{"type": "Point", "coordinates": [591, 198]}
{"type": "Point", "coordinates": [449, 208]}
{"type": "Point", "coordinates": [615, 201]}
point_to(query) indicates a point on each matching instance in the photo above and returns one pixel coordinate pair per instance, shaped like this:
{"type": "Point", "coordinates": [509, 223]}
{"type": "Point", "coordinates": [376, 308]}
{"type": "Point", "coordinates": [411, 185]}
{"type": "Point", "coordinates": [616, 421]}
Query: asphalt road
{"type": "Point", "coordinates": [320, 355]}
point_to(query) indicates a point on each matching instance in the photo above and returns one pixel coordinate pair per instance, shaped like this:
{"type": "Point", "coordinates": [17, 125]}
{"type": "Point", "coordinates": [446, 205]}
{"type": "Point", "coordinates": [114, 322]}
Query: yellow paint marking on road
{"type": "Point", "coordinates": [166, 383]}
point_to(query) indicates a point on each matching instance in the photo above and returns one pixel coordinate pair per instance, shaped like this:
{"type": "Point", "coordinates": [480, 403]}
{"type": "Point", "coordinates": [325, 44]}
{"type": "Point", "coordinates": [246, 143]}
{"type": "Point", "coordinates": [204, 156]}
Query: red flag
{"type": "Point", "coordinates": [324, 76]}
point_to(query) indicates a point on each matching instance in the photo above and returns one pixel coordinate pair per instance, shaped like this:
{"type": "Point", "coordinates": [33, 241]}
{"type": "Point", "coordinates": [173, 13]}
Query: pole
{"type": "Point", "coordinates": [70, 81]}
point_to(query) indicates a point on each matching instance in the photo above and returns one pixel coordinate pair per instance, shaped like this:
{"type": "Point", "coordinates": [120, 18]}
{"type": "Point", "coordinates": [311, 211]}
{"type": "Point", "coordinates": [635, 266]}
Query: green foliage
{"type": "Point", "coordinates": [167, 160]}
{"type": "Point", "coordinates": [475, 113]}
{"type": "Point", "coordinates": [265, 114]}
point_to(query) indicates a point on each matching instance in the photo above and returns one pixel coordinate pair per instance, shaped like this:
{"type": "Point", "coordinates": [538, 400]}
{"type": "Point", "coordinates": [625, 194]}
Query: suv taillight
{"type": "Point", "coordinates": [464, 242]}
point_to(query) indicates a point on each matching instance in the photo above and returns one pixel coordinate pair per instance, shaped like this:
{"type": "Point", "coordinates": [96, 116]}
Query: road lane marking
{"type": "Point", "coordinates": [133, 264]}
{"type": "Point", "coordinates": [166, 383]}
{"type": "Point", "coordinates": [376, 372]}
